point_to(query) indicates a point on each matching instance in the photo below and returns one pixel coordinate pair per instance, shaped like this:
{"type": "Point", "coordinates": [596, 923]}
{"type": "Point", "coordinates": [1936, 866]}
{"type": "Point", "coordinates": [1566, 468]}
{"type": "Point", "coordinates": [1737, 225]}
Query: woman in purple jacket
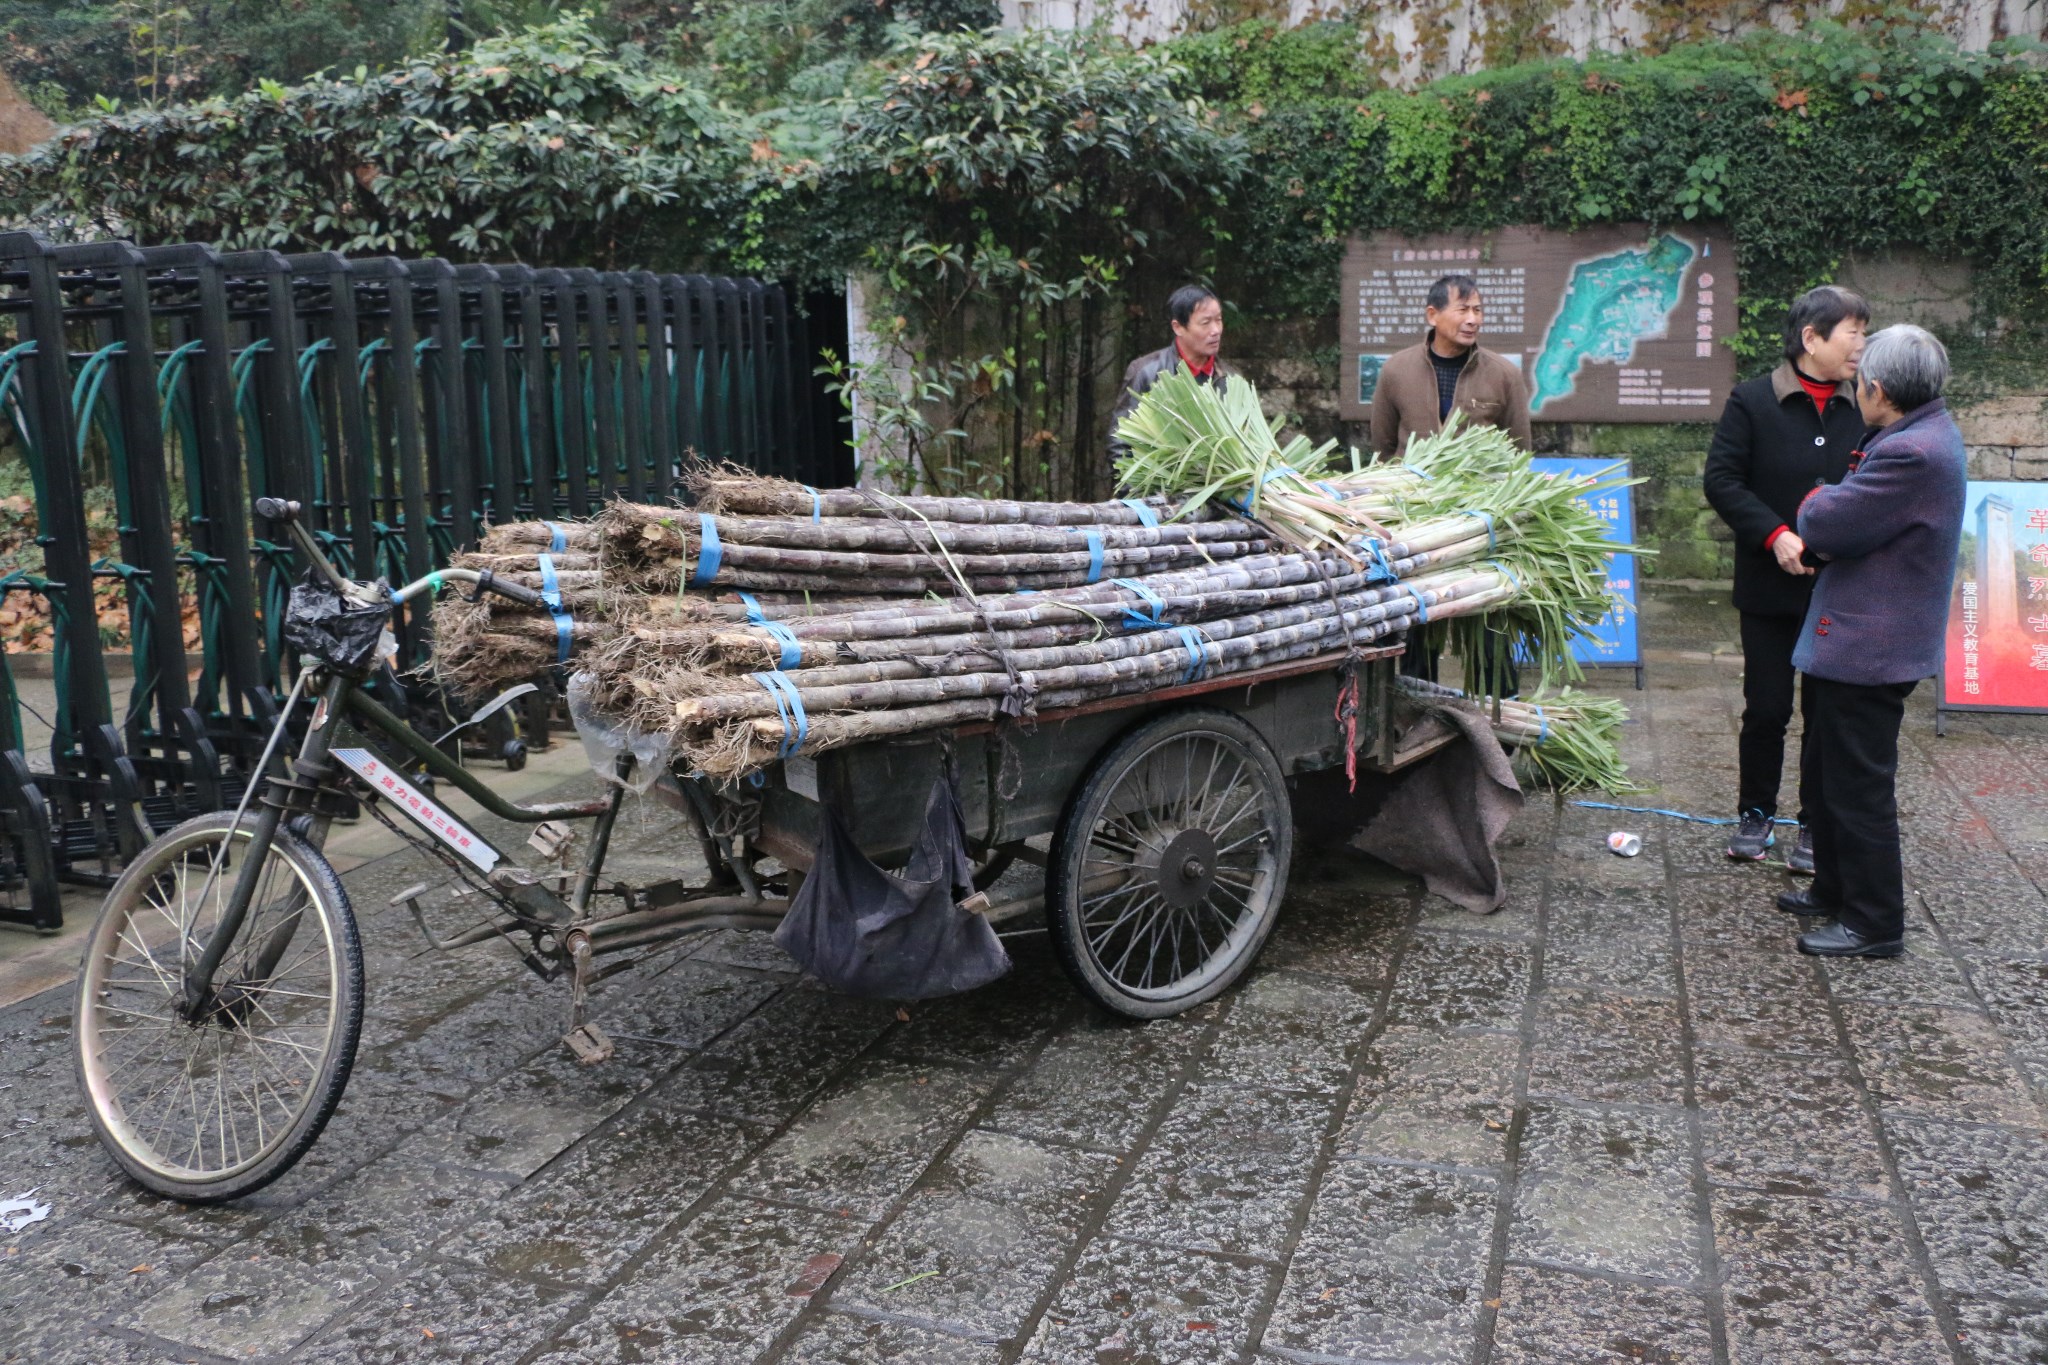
{"type": "Point", "coordinates": [1889, 534]}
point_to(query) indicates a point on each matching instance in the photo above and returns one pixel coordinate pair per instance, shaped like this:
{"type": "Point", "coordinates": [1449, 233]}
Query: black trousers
{"type": "Point", "coordinates": [1853, 783]}
{"type": "Point", "coordinates": [1767, 686]}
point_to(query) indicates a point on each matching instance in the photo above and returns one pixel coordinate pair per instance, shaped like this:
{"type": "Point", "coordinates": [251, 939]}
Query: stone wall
{"type": "Point", "coordinates": [1999, 394]}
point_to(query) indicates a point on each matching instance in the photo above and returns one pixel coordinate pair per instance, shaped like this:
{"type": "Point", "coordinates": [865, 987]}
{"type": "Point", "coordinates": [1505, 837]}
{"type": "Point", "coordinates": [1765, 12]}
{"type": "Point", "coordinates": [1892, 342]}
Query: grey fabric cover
{"type": "Point", "coordinates": [1442, 820]}
{"type": "Point", "coordinates": [894, 936]}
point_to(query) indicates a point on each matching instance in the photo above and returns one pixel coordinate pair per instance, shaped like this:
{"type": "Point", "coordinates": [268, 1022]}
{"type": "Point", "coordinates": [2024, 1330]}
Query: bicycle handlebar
{"type": "Point", "coordinates": [286, 513]}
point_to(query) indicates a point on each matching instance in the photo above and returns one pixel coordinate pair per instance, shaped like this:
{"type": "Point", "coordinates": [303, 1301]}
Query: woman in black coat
{"type": "Point", "coordinates": [1781, 435]}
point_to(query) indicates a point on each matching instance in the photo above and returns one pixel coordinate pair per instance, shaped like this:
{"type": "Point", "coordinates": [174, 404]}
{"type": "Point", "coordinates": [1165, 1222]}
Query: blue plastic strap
{"type": "Point", "coordinates": [1198, 654]}
{"type": "Point", "coordinates": [1138, 620]}
{"type": "Point", "coordinates": [1331, 489]}
{"type": "Point", "coordinates": [755, 616]}
{"type": "Point", "coordinates": [551, 598]}
{"type": "Point", "coordinates": [1272, 474]}
{"type": "Point", "coordinates": [817, 504]}
{"type": "Point", "coordinates": [558, 537]}
{"type": "Point", "coordinates": [1094, 555]}
{"type": "Point", "coordinates": [1491, 539]}
{"type": "Point", "coordinates": [1674, 814]}
{"type": "Point", "coordinates": [709, 551]}
{"type": "Point", "coordinates": [1506, 573]}
{"type": "Point", "coordinates": [1379, 571]}
{"type": "Point", "coordinates": [789, 708]}
{"type": "Point", "coordinates": [1421, 607]}
{"type": "Point", "coordinates": [792, 651]}
{"type": "Point", "coordinates": [1146, 516]}
{"type": "Point", "coordinates": [1542, 727]}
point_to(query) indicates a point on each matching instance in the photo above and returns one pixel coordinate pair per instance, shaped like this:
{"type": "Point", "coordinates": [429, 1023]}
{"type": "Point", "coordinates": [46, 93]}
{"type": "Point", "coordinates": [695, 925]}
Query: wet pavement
{"type": "Point", "coordinates": [1619, 1121]}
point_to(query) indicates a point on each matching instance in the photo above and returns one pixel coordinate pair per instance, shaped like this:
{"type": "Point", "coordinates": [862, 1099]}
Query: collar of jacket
{"type": "Point", "coordinates": [1907, 422]}
{"type": "Point", "coordinates": [1429, 336]}
{"type": "Point", "coordinates": [1785, 383]}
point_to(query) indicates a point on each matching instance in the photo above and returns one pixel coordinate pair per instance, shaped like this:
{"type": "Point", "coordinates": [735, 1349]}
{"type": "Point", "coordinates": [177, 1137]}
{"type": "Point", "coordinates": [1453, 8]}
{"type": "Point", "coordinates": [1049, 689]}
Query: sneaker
{"type": "Point", "coordinates": [1753, 837]}
{"type": "Point", "coordinates": [1800, 859]}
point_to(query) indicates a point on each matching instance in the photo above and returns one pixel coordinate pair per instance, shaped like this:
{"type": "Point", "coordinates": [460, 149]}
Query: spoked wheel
{"type": "Point", "coordinates": [210, 1109]}
{"type": "Point", "coordinates": [1171, 864]}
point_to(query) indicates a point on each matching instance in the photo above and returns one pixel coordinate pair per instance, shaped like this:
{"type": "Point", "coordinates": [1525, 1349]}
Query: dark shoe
{"type": "Point", "coordinates": [1801, 902]}
{"type": "Point", "coordinates": [1753, 837]}
{"type": "Point", "coordinates": [1800, 859]}
{"type": "Point", "coordinates": [1839, 940]}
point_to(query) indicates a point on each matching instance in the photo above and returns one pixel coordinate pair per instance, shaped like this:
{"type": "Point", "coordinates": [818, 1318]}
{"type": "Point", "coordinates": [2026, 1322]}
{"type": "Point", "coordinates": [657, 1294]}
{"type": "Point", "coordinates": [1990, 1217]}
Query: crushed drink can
{"type": "Point", "coordinates": [1625, 844]}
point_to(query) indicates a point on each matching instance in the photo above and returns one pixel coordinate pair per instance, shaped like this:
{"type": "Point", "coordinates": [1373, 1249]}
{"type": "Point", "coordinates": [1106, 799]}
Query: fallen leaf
{"type": "Point", "coordinates": [902, 1015]}
{"type": "Point", "coordinates": [142, 1270]}
{"type": "Point", "coordinates": [1201, 1327]}
{"type": "Point", "coordinates": [816, 1271]}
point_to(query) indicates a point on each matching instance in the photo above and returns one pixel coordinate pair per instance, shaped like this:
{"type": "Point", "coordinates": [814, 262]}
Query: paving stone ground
{"type": "Point", "coordinates": [1619, 1121]}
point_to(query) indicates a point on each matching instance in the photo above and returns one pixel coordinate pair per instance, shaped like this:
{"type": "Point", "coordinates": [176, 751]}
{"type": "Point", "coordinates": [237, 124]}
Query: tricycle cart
{"type": "Point", "coordinates": [221, 993]}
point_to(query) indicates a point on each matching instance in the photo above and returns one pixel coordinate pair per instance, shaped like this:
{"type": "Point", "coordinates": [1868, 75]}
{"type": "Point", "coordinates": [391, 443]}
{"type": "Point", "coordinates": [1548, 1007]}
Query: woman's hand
{"type": "Point", "coordinates": [1788, 547]}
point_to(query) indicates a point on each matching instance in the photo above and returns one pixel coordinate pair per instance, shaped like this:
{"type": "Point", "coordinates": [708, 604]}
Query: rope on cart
{"type": "Point", "coordinates": [1138, 620]}
{"type": "Point", "coordinates": [551, 598]}
{"type": "Point", "coordinates": [1146, 516]}
{"type": "Point", "coordinates": [789, 708]}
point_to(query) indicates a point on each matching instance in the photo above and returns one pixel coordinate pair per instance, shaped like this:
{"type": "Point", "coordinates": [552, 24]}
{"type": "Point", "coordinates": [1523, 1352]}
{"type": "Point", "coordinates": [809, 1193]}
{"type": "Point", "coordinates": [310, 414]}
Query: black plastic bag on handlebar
{"type": "Point", "coordinates": [336, 630]}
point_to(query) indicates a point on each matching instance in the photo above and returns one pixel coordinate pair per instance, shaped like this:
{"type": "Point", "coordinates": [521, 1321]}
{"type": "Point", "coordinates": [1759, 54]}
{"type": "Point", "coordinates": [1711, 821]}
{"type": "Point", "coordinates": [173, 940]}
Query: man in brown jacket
{"type": "Point", "coordinates": [1418, 387]}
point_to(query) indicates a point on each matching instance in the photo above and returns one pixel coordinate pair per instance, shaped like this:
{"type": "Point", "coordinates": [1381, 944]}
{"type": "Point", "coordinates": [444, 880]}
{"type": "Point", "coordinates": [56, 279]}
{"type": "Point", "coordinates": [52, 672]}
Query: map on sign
{"type": "Point", "coordinates": [1611, 303]}
{"type": "Point", "coordinates": [1623, 322]}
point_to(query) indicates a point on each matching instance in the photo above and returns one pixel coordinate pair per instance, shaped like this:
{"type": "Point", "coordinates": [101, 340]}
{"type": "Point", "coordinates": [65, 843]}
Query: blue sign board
{"type": "Point", "coordinates": [1612, 642]}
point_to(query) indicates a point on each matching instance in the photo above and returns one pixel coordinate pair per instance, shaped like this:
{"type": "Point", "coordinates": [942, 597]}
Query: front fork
{"type": "Point", "coordinates": [310, 771]}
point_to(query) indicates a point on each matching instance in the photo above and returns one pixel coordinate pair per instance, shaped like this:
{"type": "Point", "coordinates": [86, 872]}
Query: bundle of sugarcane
{"type": "Point", "coordinates": [1570, 740]}
{"type": "Point", "coordinates": [1462, 494]}
{"type": "Point", "coordinates": [666, 549]}
{"type": "Point", "coordinates": [731, 698]}
{"type": "Point", "coordinates": [728, 491]}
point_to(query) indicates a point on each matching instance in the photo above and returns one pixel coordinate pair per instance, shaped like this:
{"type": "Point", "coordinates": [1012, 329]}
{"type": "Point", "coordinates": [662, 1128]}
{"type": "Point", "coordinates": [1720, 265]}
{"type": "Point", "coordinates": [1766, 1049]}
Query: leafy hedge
{"type": "Point", "coordinates": [1808, 147]}
{"type": "Point", "coordinates": [548, 145]}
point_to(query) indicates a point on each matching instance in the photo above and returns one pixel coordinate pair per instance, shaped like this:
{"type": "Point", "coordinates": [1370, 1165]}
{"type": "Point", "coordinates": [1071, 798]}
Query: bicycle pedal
{"type": "Point", "coordinates": [589, 1044]}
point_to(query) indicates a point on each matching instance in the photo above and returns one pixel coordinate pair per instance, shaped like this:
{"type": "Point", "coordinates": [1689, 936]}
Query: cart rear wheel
{"type": "Point", "coordinates": [1171, 863]}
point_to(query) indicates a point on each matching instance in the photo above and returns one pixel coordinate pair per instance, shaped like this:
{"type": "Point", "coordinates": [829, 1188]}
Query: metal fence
{"type": "Point", "coordinates": [406, 403]}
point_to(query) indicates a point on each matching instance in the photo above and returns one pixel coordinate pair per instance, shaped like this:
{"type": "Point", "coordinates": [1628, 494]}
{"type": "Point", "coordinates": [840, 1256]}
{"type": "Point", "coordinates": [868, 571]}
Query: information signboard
{"type": "Point", "coordinates": [1613, 642]}
{"type": "Point", "coordinates": [1997, 649]}
{"type": "Point", "coordinates": [1618, 323]}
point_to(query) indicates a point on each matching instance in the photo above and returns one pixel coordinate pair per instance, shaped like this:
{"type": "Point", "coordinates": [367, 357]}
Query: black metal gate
{"type": "Point", "coordinates": [407, 404]}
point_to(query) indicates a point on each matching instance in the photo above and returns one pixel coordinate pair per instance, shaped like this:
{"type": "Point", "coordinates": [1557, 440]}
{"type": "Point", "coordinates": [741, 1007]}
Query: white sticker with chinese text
{"type": "Point", "coordinates": [420, 807]}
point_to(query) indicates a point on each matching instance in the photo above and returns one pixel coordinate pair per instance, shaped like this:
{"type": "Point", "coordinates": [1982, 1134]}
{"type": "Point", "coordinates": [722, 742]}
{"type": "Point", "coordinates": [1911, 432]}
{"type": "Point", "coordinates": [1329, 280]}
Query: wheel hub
{"type": "Point", "coordinates": [1187, 868]}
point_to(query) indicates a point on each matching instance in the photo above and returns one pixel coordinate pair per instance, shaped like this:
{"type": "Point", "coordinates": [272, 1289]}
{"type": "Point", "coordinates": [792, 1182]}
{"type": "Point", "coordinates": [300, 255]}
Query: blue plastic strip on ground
{"type": "Point", "coordinates": [558, 537]}
{"type": "Point", "coordinates": [792, 651]}
{"type": "Point", "coordinates": [709, 551]}
{"type": "Point", "coordinates": [1674, 814]}
{"type": "Point", "coordinates": [1094, 556]}
{"type": "Point", "coordinates": [789, 707]}
{"type": "Point", "coordinates": [755, 616]}
{"type": "Point", "coordinates": [817, 504]}
{"type": "Point", "coordinates": [1146, 516]}
{"type": "Point", "coordinates": [551, 598]}
{"type": "Point", "coordinates": [1198, 653]}
{"type": "Point", "coordinates": [1134, 618]}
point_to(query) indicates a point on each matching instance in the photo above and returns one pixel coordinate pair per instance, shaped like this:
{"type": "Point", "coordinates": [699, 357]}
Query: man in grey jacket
{"type": "Point", "coordinates": [1887, 535]}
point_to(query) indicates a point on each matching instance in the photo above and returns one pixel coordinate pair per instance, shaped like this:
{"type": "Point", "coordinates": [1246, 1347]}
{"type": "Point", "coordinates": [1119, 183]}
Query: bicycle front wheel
{"type": "Point", "coordinates": [211, 1109]}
